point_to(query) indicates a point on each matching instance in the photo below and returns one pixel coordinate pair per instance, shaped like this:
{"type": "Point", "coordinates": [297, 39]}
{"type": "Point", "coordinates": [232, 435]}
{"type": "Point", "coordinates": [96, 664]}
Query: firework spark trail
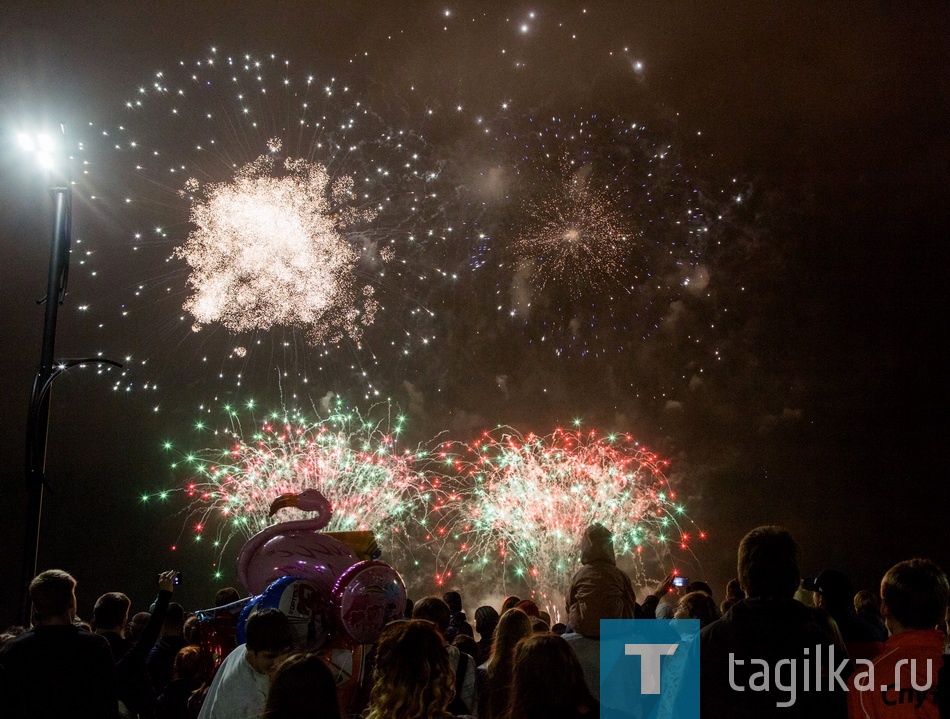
{"type": "Point", "coordinates": [574, 237]}
{"type": "Point", "coordinates": [529, 499]}
{"type": "Point", "coordinates": [354, 462]}
{"type": "Point", "coordinates": [269, 250]}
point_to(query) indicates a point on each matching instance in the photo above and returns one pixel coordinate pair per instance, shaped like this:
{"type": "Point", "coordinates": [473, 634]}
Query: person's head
{"type": "Point", "coordinates": [538, 626]}
{"type": "Point", "coordinates": [768, 563]}
{"type": "Point", "coordinates": [269, 637]}
{"type": "Point", "coordinates": [832, 590]}
{"type": "Point", "coordinates": [560, 628]}
{"type": "Point", "coordinates": [111, 612]}
{"type": "Point", "coordinates": [597, 545]}
{"type": "Point", "coordinates": [409, 607]}
{"type": "Point", "coordinates": [454, 600]}
{"type": "Point", "coordinates": [529, 607]}
{"type": "Point", "coordinates": [174, 620]}
{"type": "Point", "coordinates": [137, 624]}
{"type": "Point", "coordinates": [513, 626]}
{"type": "Point", "coordinates": [867, 604]}
{"type": "Point", "coordinates": [53, 594]}
{"type": "Point", "coordinates": [466, 643]}
{"type": "Point", "coordinates": [486, 619]}
{"type": "Point", "coordinates": [727, 604]}
{"type": "Point", "coordinates": [227, 595]}
{"type": "Point", "coordinates": [193, 666]}
{"type": "Point", "coordinates": [698, 587]}
{"type": "Point", "coordinates": [414, 678]}
{"type": "Point", "coordinates": [734, 590]}
{"type": "Point", "coordinates": [302, 687]}
{"type": "Point", "coordinates": [547, 680]}
{"type": "Point", "coordinates": [697, 605]}
{"type": "Point", "coordinates": [510, 602]}
{"type": "Point", "coordinates": [434, 610]}
{"type": "Point", "coordinates": [191, 630]}
{"type": "Point", "coordinates": [914, 595]}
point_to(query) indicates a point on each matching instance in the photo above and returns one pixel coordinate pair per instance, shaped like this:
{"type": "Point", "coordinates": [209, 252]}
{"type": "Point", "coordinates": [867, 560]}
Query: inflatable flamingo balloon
{"type": "Point", "coordinates": [295, 548]}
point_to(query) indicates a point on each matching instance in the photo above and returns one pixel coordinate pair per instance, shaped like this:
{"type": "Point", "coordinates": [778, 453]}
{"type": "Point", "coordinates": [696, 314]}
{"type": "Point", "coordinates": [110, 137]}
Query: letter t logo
{"type": "Point", "coordinates": [650, 663]}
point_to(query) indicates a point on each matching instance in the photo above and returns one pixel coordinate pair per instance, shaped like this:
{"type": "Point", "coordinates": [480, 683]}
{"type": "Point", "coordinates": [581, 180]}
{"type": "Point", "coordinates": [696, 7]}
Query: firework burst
{"type": "Point", "coordinates": [353, 461]}
{"type": "Point", "coordinates": [530, 498]}
{"type": "Point", "coordinates": [274, 205]}
{"type": "Point", "coordinates": [596, 228]}
{"type": "Point", "coordinates": [270, 251]}
{"type": "Point", "coordinates": [574, 237]}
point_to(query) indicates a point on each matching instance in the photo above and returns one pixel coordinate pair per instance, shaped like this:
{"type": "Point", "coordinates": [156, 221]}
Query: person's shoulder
{"type": "Point", "coordinates": [15, 645]}
{"type": "Point", "coordinates": [232, 664]}
{"type": "Point", "coordinates": [722, 630]}
{"type": "Point", "coordinates": [579, 641]}
{"type": "Point", "coordinates": [43, 639]}
{"type": "Point", "coordinates": [470, 664]}
{"type": "Point", "coordinates": [571, 637]}
{"type": "Point", "coordinates": [714, 630]}
{"type": "Point", "coordinates": [91, 640]}
{"type": "Point", "coordinates": [915, 642]}
{"type": "Point", "coordinates": [84, 635]}
{"type": "Point", "coordinates": [236, 657]}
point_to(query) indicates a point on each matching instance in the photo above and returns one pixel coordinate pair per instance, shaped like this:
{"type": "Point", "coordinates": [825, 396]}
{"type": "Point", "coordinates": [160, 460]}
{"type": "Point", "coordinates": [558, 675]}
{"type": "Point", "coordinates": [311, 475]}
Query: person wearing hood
{"type": "Point", "coordinates": [599, 590]}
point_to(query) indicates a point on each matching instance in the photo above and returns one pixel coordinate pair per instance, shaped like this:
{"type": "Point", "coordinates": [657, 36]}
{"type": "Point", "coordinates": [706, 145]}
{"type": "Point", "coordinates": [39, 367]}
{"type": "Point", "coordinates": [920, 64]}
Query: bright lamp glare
{"type": "Point", "coordinates": [41, 146]}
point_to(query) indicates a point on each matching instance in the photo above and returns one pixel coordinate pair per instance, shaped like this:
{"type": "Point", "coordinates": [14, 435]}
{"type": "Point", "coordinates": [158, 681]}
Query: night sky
{"type": "Point", "coordinates": [774, 333]}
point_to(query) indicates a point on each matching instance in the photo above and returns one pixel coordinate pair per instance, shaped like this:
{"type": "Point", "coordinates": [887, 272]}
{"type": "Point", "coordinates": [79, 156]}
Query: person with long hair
{"type": "Point", "coordinates": [548, 682]}
{"type": "Point", "coordinates": [510, 603]}
{"type": "Point", "coordinates": [494, 676]}
{"type": "Point", "coordinates": [191, 673]}
{"type": "Point", "coordinates": [413, 676]}
{"type": "Point", "coordinates": [302, 687]}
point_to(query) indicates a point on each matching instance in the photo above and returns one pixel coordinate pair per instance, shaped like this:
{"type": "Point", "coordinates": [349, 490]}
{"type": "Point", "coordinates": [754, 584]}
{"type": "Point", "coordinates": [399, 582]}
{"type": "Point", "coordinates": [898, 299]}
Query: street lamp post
{"type": "Point", "coordinates": [48, 370]}
{"type": "Point", "coordinates": [38, 414]}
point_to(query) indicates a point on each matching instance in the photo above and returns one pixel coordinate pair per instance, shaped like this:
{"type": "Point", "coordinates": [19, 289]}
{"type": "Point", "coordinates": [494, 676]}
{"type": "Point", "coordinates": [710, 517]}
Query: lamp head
{"type": "Point", "coordinates": [42, 146]}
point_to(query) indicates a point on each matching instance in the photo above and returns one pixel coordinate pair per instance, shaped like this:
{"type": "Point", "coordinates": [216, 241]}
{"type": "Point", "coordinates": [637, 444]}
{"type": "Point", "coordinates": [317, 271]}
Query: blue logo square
{"type": "Point", "coordinates": [649, 668]}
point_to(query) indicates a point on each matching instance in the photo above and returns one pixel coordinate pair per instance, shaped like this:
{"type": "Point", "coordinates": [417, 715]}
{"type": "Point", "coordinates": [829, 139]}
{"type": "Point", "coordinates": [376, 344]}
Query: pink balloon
{"type": "Point", "coordinates": [369, 596]}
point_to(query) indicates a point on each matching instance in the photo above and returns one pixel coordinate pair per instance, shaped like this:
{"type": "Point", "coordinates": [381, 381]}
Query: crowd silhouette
{"type": "Point", "coordinates": [838, 653]}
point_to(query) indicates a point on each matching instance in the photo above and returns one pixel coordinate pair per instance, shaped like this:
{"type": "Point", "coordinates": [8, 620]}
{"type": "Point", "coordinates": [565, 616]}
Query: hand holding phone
{"type": "Point", "coordinates": [168, 580]}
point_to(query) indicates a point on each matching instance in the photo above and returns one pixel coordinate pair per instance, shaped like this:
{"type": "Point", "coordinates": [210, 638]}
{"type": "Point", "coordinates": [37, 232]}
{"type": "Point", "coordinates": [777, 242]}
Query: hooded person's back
{"type": "Point", "coordinates": [599, 590]}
